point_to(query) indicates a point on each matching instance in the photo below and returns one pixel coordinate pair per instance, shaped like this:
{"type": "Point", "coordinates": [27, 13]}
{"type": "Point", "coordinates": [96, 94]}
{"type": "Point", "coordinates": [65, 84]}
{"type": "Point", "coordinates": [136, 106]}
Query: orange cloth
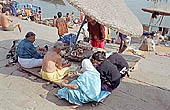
{"type": "Point", "coordinates": [62, 26]}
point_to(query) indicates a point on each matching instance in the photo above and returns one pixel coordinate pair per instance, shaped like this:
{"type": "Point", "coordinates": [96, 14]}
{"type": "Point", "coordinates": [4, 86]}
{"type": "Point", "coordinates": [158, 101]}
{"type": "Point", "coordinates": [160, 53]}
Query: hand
{"type": "Point", "coordinates": [102, 40]}
{"type": "Point", "coordinates": [40, 49]}
{"type": "Point", "coordinates": [69, 64]}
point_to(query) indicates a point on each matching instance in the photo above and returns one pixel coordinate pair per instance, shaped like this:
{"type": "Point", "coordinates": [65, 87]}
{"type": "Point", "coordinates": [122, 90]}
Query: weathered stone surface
{"type": "Point", "coordinates": [146, 89]}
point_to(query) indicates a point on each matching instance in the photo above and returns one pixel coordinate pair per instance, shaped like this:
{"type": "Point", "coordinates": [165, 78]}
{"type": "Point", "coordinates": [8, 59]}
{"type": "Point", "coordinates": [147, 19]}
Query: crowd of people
{"type": "Point", "coordinates": [25, 12]}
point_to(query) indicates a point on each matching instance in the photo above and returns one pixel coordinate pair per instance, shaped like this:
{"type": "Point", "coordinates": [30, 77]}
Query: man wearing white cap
{"type": "Point", "coordinates": [52, 67]}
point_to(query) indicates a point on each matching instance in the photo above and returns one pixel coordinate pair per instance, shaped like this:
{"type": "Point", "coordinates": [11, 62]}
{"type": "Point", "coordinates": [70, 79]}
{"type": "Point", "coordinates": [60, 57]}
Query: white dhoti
{"type": "Point", "coordinates": [30, 63]}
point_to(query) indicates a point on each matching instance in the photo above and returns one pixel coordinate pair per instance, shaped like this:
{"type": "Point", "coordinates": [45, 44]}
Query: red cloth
{"type": "Point", "coordinates": [97, 34]}
{"type": "Point", "coordinates": [81, 18]}
{"type": "Point", "coordinates": [97, 44]}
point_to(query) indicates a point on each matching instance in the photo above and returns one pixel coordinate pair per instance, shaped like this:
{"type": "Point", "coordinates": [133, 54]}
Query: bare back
{"type": "Point", "coordinates": [50, 62]}
{"type": "Point", "coordinates": [5, 20]}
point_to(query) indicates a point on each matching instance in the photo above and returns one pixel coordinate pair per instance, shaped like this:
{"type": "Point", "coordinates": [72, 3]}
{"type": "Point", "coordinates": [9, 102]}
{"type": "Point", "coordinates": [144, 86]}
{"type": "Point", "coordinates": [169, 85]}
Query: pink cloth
{"type": "Point", "coordinates": [163, 54]}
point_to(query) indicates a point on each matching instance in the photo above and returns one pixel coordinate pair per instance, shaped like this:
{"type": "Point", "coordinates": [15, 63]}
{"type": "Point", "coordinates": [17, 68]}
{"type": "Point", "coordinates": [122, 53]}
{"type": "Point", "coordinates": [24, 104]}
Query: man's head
{"type": "Point", "coordinates": [67, 14]}
{"type": "Point", "coordinates": [72, 13]}
{"type": "Point", "coordinates": [92, 21]}
{"type": "Point", "coordinates": [58, 46]}
{"type": "Point", "coordinates": [59, 14]}
{"type": "Point", "coordinates": [98, 57]}
{"type": "Point", "coordinates": [55, 17]}
{"type": "Point", "coordinates": [30, 36]}
{"type": "Point", "coordinates": [5, 10]}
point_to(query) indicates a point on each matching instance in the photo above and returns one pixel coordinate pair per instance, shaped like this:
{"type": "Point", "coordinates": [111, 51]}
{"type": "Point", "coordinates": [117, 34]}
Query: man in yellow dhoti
{"type": "Point", "coordinates": [52, 67]}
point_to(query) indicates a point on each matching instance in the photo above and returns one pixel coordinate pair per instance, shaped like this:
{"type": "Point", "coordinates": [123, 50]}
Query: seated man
{"type": "Point", "coordinates": [27, 54]}
{"type": "Point", "coordinates": [6, 21]}
{"type": "Point", "coordinates": [117, 60]}
{"type": "Point", "coordinates": [52, 67]}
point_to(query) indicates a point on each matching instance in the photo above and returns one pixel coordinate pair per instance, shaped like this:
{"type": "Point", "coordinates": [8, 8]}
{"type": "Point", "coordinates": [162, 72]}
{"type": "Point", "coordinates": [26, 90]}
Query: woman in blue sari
{"type": "Point", "coordinates": [87, 87]}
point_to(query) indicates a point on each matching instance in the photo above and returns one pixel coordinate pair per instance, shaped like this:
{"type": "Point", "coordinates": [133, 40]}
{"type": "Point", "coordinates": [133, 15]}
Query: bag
{"type": "Point", "coordinates": [69, 39]}
{"type": "Point", "coordinates": [11, 56]}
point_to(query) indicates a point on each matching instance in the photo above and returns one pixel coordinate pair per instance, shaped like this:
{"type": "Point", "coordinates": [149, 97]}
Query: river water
{"type": "Point", "coordinates": [50, 9]}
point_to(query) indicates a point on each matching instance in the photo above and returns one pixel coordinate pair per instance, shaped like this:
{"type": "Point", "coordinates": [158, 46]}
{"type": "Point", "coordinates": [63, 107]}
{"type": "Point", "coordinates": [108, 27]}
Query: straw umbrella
{"type": "Point", "coordinates": [112, 13]}
{"type": "Point", "coordinates": [60, 2]}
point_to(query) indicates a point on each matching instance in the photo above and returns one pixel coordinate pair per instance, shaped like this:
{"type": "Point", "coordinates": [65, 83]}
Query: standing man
{"type": "Point", "coordinates": [61, 25]}
{"type": "Point", "coordinates": [27, 54]}
{"type": "Point", "coordinates": [123, 42]}
{"type": "Point", "coordinates": [96, 33]}
{"type": "Point", "coordinates": [6, 21]}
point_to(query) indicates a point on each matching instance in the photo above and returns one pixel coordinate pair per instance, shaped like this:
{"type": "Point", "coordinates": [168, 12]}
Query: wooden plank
{"type": "Point", "coordinates": [36, 72]}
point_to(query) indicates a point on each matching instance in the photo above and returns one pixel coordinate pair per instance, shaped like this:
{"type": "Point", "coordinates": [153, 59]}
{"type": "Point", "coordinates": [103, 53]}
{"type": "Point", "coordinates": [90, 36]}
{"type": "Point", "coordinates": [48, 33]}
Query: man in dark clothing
{"type": "Point", "coordinates": [109, 74]}
{"type": "Point", "coordinates": [27, 53]}
{"type": "Point", "coordinates": [118, 60]}
{"type": "Point", "coordinates": [111, 69]}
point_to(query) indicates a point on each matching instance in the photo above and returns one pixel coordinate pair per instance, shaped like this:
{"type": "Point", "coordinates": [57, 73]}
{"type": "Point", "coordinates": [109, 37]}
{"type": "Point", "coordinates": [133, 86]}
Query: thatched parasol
{"type": "Point", "coordinates": [162, 9]}
{"type": "Point", "coordinates": [112, 13]}
{"type": "Point", "coordinates": [59, 2]}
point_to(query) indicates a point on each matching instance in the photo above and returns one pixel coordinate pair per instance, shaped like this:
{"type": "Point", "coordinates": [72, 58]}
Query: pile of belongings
{"type": "Point", "coordinates": [75, 51]}
{"type": "Point", "coordinates": [82, 50]}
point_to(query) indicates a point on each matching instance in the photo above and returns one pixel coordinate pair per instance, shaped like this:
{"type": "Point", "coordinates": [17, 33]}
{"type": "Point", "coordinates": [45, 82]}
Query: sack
{"type": "Point", "coordinates": [69, 39]}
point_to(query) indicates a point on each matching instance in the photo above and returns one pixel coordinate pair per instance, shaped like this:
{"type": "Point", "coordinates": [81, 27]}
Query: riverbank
{"type": "Point", "coordinates": [148, 87]}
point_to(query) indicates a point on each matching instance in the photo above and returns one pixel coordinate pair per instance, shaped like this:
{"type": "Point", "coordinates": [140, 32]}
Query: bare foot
{"type": "Point", "coordinates": [74, 106]}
